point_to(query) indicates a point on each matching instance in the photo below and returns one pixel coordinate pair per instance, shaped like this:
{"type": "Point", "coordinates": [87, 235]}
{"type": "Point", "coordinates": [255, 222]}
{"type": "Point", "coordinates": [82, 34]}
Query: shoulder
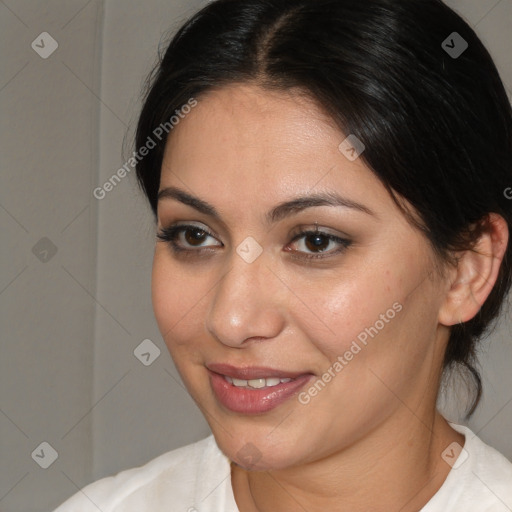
{"type": "Point", "coordinates": [173, 477]}
{"type": "Point", "coordinates": [493, 473]}
{"type": "Point", "coordinates": [479, 481]}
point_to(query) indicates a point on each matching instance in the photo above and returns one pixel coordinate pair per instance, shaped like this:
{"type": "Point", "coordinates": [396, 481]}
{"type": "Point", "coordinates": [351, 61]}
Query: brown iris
{"type": "Point", "coordinates": [195, 236]}
{"type": "Point", "coordinates": [316, 242]}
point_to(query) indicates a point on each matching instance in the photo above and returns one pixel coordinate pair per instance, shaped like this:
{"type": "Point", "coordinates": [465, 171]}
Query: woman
{"type": "Point", "coordinates": [329, 181]}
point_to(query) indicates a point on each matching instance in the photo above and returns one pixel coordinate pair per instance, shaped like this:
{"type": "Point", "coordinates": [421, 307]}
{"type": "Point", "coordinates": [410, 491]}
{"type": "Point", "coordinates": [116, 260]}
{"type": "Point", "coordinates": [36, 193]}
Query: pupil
{"type": "Point", "coordinates": [316, 242]}
{"type": "Point", "coordinates": [195, 236]}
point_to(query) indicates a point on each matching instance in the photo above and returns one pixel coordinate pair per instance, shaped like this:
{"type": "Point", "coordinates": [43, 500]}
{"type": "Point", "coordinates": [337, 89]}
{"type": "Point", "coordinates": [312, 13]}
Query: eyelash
{"type": "Point", "coordinates": [171, 233]}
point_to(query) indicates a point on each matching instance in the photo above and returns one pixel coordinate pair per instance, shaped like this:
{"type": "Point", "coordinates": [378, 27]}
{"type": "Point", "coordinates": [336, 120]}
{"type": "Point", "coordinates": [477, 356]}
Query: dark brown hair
{"type": "Point", "coordinates": [437, 127]}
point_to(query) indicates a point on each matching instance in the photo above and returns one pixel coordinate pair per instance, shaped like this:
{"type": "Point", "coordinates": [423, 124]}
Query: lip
{"type": "Point", "coordinates": [253, 401]}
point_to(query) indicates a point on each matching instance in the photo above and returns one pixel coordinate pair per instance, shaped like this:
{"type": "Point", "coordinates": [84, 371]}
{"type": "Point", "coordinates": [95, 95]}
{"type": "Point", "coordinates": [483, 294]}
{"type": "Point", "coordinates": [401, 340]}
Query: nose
{"type": "Point", "coordinates": [247, 304]}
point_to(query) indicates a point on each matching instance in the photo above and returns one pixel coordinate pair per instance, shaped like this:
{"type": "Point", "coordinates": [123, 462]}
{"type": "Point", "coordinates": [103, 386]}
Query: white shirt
{"type": "Point", "coordinates": [197, 478]}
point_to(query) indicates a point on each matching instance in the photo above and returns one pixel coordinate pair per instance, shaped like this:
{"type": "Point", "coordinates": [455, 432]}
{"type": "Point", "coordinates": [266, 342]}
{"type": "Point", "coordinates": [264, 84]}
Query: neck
{"type": "Point", "coordinates": [398, 465]}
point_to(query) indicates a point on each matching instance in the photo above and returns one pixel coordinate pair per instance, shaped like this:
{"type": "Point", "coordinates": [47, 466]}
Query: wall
{"type": "Point", "coordinates": [49, 163]}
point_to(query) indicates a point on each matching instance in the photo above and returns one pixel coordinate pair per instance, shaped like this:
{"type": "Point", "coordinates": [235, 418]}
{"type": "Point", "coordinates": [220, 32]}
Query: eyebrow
{"type": "Point", "coordinates": [277, 213]}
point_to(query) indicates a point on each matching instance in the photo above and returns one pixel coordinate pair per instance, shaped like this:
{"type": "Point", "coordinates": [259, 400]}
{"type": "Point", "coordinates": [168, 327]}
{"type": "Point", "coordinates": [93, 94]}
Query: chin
{"type": "Point", "coordinates": [253, 450]}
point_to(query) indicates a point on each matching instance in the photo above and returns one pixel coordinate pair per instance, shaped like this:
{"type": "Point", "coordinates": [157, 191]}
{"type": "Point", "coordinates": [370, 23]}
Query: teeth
{"type": "Point", "coordinates": [256, 383]}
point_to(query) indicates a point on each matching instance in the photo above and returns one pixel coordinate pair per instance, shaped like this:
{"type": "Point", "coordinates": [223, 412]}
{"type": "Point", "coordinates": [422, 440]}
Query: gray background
{"type": "Point", "coordinates": [71, 321]}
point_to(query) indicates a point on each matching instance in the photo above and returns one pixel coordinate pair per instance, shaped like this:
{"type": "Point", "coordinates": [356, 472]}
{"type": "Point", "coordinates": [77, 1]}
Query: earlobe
{"type": "Point", "coordinates": [476, 273]}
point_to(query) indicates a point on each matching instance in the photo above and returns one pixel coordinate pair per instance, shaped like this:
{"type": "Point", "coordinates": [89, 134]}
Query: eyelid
{"type": "Point", "coordinates": [187, 223]}
{"type": "Point", "coordinates": [315, 228]}
{"type": "Point", "coordinates": [170, 233]}
{"type": "Point", "coordinates": [342, 241]}
{"type": "Point", "coordinates": [190, 224]}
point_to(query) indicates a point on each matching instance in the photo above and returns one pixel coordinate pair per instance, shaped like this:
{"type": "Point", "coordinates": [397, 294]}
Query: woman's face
{"type": "Point", "coordinates": [348, 312]}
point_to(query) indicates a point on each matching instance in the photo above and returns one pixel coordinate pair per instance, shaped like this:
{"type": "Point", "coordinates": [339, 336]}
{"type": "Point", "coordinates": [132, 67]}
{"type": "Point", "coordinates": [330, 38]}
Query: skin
{"type": "Point", "coordinates": [371, 440]}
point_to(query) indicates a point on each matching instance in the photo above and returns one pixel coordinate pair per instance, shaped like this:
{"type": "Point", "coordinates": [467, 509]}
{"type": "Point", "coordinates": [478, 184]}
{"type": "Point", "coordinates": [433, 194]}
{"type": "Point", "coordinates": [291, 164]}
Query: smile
{"type": "Point", "coordinates": [257, 383]}
{"type": "Point", "coordinates": [254, 390]}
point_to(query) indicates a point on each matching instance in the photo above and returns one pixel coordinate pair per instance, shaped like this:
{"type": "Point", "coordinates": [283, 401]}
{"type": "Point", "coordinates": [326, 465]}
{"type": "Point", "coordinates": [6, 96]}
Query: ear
{"type": "Point", "coordinates": [474, 277]}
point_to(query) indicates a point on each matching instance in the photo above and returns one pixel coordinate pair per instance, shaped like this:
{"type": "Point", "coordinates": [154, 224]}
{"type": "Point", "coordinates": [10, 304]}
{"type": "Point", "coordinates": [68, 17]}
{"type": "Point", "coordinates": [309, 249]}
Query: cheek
{"type": "Point", "coordinates": [382, 318]}
{"type": "Point", "coordinates": [162, 296]}
{"type": "Point", "coordinates": [381, 339]}
{"type": "Point", "coordinates": [348, 308]}
{"type": "Point", "coordinates": [176, 297]}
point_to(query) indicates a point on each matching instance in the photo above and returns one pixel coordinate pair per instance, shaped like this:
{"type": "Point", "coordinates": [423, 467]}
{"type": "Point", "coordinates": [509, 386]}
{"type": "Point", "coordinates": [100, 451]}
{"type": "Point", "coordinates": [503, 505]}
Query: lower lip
{"type": "Point", "coordinates": [254, 401]}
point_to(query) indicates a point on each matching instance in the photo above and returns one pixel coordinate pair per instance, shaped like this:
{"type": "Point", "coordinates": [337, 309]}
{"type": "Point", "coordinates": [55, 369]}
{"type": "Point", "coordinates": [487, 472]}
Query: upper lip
{"type": "Point", "coordinates": [252, 372]}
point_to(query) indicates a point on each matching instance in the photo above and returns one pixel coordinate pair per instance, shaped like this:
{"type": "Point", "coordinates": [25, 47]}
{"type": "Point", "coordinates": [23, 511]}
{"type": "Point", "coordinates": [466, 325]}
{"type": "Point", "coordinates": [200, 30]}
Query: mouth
{"type": "Point", "coordinates": [254, 390]}
{"type": "Point", "coordinates": [268, 382]}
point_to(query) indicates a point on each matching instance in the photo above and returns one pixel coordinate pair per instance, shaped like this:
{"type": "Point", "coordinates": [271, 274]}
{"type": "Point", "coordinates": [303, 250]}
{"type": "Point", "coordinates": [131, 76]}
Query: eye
{"type": "Point", "coordinates": [317, 244]}
{"type": "Point", "coordinates": [187, 237]}
{"type": "Point", "coordinates": [192, 240]}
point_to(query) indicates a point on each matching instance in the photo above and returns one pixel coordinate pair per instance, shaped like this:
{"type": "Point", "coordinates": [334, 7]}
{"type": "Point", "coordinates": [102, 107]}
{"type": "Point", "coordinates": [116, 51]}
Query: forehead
{"type": "Point", "coordinates": [246, 117]}
{"type": "Point", "coordinates": [244, 144]}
